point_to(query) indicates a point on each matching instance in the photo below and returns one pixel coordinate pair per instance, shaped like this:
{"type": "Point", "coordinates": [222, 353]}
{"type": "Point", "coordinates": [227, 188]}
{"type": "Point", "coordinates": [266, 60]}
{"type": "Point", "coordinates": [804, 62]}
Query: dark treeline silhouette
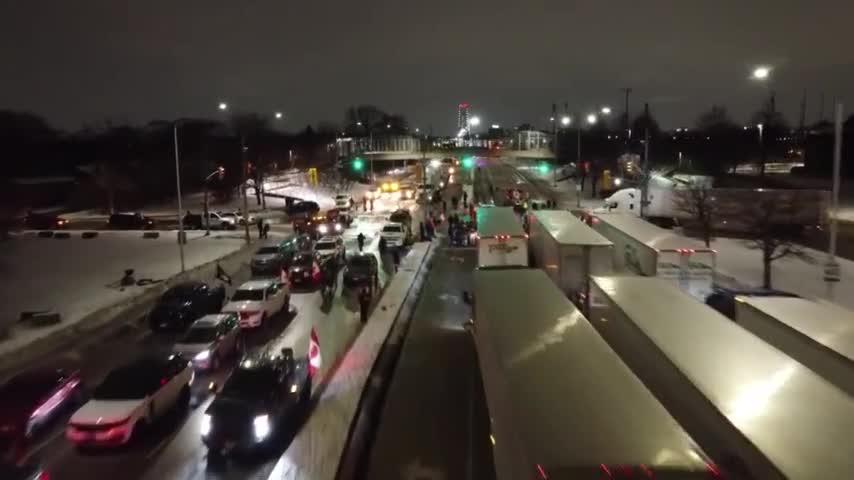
{"type": "Point", "coordinates": [123, 167]}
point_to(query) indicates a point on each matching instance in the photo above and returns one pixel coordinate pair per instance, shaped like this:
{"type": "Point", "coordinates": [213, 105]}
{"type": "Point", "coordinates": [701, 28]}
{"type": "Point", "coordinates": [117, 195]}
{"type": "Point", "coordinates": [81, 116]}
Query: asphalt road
{"type": "Point", "coordinates": [435, 423]}
{"type": "Point", "coordinates": [173, 448]}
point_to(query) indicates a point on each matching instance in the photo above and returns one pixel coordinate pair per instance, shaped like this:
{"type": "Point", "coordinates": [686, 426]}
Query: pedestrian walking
{"type": "Point", "coordinates": [372, 204]}
{"type": "Point", "coordinates": [444, 206]}
{"type": "Point", "coordinates": [360, 239]}
{"type": "Point", "coordinates": [266, 230]}
{"type": "Point", "coordinates": [421, 231]}
{"type": "Point", "coordinates": [465, 198]}
{"type": "Point", "coordinates": [260, 224]}
{"type": "Point", "coordinates": [364, 303]}
{"type": "Point", "coordinates": [395, 256]}
{"type": "Point", "coordinates": [455, 202]}
{"type": "Point", "coordinates": [365, 203]}
{"type": "Point", "coordinates": [382, 246]}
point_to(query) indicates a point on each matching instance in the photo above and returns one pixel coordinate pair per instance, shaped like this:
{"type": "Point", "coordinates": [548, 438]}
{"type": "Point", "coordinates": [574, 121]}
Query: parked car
{"type": "Point", "coordinates": [257, 301]}
{"type": "Point", "coordinates": [264, 391]}
{"type": "Point", "coordinates": [362, 269]}
{"type": "Point", "coordinates": [395, 234]}
{"type": "Point", "coordinates": [330, 247]}
{"type": "Point", "coordinates": [268, 260]}
{"type": "Point", "coordinates": [305, 269]}
{"type": "Point", "coordinates": [31, 399]}
{"type": "Point", "coordinates": [209, 340]}
{"type": "Point", "coordinates": [184, 303]}
{"type": "Point", "coordinates": [401, 216]}
{"type": "Point", "coordinates": [304, 209]}
{"type": "Point", "coordinates": [217, 222]}
{"type": "Point", "coordinates": [131, 398]}
{"type": "Point", "coordinates": [44, 221]}
{"type": "Point", "coordinates": [237, 218]}
{"type": "Point", "coordinates": [130, 221]}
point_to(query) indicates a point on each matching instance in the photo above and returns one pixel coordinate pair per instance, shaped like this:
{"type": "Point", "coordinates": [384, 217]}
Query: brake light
{"type": "Point", "coordinates": [44, 475]}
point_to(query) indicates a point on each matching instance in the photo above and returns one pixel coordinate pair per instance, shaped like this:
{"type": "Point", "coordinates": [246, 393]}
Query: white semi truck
{"type": "Point", "coordinates": [768, 414]}
{"type": "Point", "coordinates": [561, 402]}
{"type": "Point", "coordinates": [667, 197]}
{"type": "Point", "coordinates": [569, 251]}
{"type": "Point", "coordinates": [816, 333]}
{"type": "Point", "coordinates": [645, 249]}
{"type": "Point", "coordinates": [501, 240]}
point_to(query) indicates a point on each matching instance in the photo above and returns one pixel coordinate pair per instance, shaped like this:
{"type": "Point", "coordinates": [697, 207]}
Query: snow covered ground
{"type": "Point", "coordinates": [76, 277]}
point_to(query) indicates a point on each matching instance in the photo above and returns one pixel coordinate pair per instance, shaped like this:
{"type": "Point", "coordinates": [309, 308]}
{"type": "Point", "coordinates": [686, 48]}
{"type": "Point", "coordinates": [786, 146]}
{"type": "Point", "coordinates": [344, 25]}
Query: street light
{"type": "Point", "coordinates": [278, 115]}
{"type": "Point", "coordinates": [565, 120]}
{"type": "Point", "coordinates": [591, 119]}
{"type": "Point", "coordinates": [223, 106]}
{"type": "Point", "coordinates": [606, 110]}
{"type": "Point", "coordinates": [474, 121]}
{"type": "Point", "coordinates": [220, 171]}
{"type": "Point", "coordinates": [761, 73]}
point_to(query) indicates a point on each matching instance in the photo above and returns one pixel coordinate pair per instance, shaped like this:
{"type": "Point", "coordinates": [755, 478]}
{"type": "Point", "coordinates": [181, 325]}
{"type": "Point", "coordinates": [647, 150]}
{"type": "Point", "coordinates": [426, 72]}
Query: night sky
{"type": "Point", "coordinates": [84, 61]}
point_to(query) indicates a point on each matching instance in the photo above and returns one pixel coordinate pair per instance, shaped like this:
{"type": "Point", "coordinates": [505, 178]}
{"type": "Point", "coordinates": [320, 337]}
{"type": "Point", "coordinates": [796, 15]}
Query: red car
{"type": "Point", "coordinates": [32, 399]}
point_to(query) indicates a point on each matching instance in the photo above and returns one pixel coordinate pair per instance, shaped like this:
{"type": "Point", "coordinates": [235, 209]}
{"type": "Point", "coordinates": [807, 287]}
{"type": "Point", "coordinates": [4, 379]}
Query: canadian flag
{"type": "Point", "coordinates": [314, 358]}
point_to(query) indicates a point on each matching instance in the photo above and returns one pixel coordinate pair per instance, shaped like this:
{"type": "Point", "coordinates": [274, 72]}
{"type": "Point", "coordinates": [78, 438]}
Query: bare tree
{"type": "Point", "coordinates": [698, 201]}
{"type": "Point", "coordinates": [771, 232]}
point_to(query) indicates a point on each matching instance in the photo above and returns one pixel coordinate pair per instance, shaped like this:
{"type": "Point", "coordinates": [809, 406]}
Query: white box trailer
{"type": "Point", "coordinates": [645, 249]}
{"type": "Point", "coordinates": [569, 251]}
{"type": "Point", "coordinates": [562, 404]}
{"type": "Point", "coordinates": [502, 242]}
{"type": "Point", "coordinates": [818, 334]}
{"type": "Point", "coordinates": [770, 415]}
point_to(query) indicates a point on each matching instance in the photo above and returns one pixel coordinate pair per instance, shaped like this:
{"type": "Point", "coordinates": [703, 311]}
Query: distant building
{"type": "Point", "coordinates": [463, 116]}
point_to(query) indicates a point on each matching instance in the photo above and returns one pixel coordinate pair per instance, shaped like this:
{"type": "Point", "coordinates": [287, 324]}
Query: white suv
{"type": "Point", "coordinates": [342, 202]}
{"type": "Point", "coordinates": [258, 300]}
{"type": "Point", "coordinates": [394, 234]}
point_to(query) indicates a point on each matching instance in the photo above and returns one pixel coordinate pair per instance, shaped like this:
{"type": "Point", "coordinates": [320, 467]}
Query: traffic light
{"type": "Point", "coordinates": [544, 167]}
{"type": "Point", "coordinates": [468, 162]}
{"type": "Point", "coordinates": [358, 164]}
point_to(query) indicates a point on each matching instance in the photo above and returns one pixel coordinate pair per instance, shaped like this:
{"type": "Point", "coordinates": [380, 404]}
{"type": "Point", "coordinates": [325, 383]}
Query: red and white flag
{"type": "Point", "coordinates": [314, 358]}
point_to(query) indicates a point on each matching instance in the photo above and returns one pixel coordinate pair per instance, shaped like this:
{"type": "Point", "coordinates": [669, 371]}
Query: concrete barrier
{"type": "Point", "coordinates": [150, 234]}
{"type": "Point", "coordinates": [108, 319]}
{"type": "Point", "coordinates": [62, 235]}
{"type": "Point", "coordinates": [45, 234]}
{"type": "Point", "coordinates": [88, 235]}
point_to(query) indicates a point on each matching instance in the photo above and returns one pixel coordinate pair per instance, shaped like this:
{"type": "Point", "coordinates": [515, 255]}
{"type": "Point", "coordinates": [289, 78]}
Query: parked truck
{"type": "Point", "coordinates": [569, 251]}
{"type": "Point", "coordinates": [816, 333]}
{"type": "Point", "coordinates": [501, 240]}
{"type": "Point", "coordinates": [667, 197]}
{"type": "Point", "coordinates": [768, 415]}
{"type": "Point", "coordinates": [646, 249]}
{"type": "Point", "coordinates": [561, 403]}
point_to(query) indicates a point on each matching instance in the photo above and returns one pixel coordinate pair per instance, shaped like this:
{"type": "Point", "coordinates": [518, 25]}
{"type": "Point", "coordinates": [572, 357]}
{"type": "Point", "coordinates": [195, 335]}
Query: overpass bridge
{"type": "Point", "coordinates": [457, 153]}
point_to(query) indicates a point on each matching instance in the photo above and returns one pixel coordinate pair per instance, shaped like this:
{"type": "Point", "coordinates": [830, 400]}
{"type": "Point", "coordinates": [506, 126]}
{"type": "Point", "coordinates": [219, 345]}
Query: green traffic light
{"type": "Point", "coordinates": [544, 168]}
{"type": "Point", "coordinates": [468, 162]}
{"type": "Point", "coordinates": [358, 164]}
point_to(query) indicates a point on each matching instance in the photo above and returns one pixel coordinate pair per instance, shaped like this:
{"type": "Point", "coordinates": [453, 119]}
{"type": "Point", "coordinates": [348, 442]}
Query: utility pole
{"type": "Point", "coordinates": [626, 121]}
{"type": "Point", "coordinates": [181, 235]}
{"type": "Point", "coordinates": [245, 163]}
{"type": "Point", "coordinates": [831, 268]}
{"type": "Point", "coordinates": [645, 169]}
{"type": "Point", "coordinates": [554, 131]}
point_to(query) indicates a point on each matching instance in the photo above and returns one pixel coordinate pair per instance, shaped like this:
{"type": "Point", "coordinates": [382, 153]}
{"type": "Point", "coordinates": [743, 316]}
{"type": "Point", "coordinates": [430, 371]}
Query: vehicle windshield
{"type": "Point", "coordinates": [124, 384]}
{"type": "Point", "coordinates": [392, 228]}
{"type": "Point", "coordinates": [250, 382]}
{"type": "Point", "coordinates": [248, 295]}
{"type": "Point", "coordinates": [267, 251]}
{"type": "Point", "coordinates": [200, 335]}
{"type": "Point", "coordinates": [325, 246]}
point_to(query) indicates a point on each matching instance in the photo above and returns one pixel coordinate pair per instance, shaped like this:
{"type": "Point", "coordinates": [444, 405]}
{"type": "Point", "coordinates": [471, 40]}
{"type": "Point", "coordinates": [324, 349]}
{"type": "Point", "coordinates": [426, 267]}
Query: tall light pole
{"type": "Point", "coordinates": [245, 167]}
{"type": "Point", "coordinates": [181, 234]}
{"type": "Point", "coordinates": [762, 74]}
{"type": "Point", "coordinates": [831, 268]}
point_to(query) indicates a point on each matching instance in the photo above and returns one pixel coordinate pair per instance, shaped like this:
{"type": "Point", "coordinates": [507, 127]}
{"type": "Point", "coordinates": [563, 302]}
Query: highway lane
{"type": "Point", "coordinates": [435, 422]}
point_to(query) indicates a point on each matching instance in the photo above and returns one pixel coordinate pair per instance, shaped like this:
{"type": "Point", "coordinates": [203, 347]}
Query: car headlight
{"type": "Point", "coordinates": [338, 227]}
{"type": "Point", "coordinates": [203, 355]}
{"type": "Point", "coordinates": [206, 425]}
{"type": "Point", "coordinates": [322, 229]}
{"type": "Point", "coordinates": [261, 425]}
